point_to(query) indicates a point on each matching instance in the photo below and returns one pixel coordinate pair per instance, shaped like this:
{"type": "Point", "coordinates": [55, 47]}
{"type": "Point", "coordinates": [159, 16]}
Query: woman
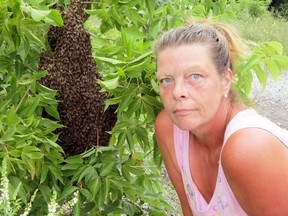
{"type": "Point", "coordinates": [222, 158]}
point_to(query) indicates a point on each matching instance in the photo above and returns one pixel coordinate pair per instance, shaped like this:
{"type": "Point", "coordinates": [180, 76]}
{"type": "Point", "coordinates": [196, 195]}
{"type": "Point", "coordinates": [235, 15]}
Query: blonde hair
{"type": "Point", "coordinates": [224, 42]}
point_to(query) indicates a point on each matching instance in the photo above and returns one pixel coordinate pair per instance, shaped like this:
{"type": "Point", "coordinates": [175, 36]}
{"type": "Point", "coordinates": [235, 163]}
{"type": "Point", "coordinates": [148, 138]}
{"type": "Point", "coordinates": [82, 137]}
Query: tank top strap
{"type": "Point", "coordinates": [181, 138]}
{"type": "Point", "coordinates": [250, 118]}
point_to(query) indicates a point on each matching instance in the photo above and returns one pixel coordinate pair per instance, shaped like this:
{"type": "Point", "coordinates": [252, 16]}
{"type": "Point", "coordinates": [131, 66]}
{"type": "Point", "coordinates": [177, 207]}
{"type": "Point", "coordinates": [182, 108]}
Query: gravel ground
{"type": "Point", "coordinates": [272, 102]}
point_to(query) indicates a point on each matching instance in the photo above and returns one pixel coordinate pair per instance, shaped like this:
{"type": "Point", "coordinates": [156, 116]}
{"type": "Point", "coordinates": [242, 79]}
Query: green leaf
{"type": "Point", "coordinates": [141, 57]}
{"type": "Point", "coordinates": [253, 60]}
{"type": "Point", "coordinates": [136, 105]}
{"type": "Point", "coordinates": [94, 187]}
{"type": "Point", "coordinates": [30, 149]}
{"type": "Point", "coordinates": [4, 105]}
{"type": "Point", "coordinates": [33, 38]}
{"type": "Point", "coordinates": [24, 143]}
{"type": "Point", "coordinates": [261, 75]}
{"type": "Point", "coordinates": [54, 18]}
{"type": "Point", "coordinates": [87, 173]}
{"type": "Point", "coordinates": [44, 172]}
{"type": "Point", "coordinates": [112, 101]}
{"type": "Point", "coordinates": [39, 75]}
{"type": "Point", "coordinates": [86, 194]}
{"type": "Point", "coordinates": [107, 187]}
{"type": "Point", "coordinates": [136, 70]}
{"type": "Point", "coordinates": [273, 69]}
{"type": "Point", "coordinates": [54, 144]}
{"type": "Point", "coordinates": [141, 133]}
{"type": "Point", "coordinates": [34, 155]}
{"type": "Point", "coordinates": [107, 167]}
{"type": "Point", "coordinates": [47, 123]}
{"type": "Point", "coordinates": [31, 105]}
{"type": "Point", "coordinates": [155, 86]}
{"type": "Point", "coordinates": [134, 16]}
{"type": "Point", "coordinates": [102, 42]}
{"type": "Point", "coordinates": [276, 46]}
{"type": "Point", "coordinates": [8, 135]}
{"type": "Point", "coordinates": [151, 6]}
{"type": "Point", "coordinates": [45, 191]}
{"type": "Point", "coordinates": [101, 198]}
{"type": "Point", "coordinates": [77, 207]}
{"type": "Point", "coordinates": [96, 12]}
{"type": "Point", "coordinates": [70, 166]}
{"type": "Point", "coordinates": [138, 171]}
{"type": "Point", "coordinates": [88, 153]}
{"type": "Point", "coordinates": [117, 17]}
{"type": "Point", "coordinates": [15, 153]}
{"type": "Point", "coordinates": [56, 172]}
{"type": "Point", "coordinates": [12, 118]}
{"type": "Point", "coordinates": [127, 98]}
{"type": "Point", "coordinates": [52, 111]}
{"type": "Point", "coordinates": [152, 101]}
{"type": "Point", "coordinates": [110, 60]}
{"type": "Point", "coordinates": [199, 11]}
{"type": "Point", "coordinates": [134, 32]}
{"type": "Point", "coordinates": [246, 82]}
{"type": "Point", "coordinates": [75, 159]}
{"type": "Point", "coordinates": [155, 28]}
{"type": "Point", "coordinates": [282, 60]}
{"type": "Point", "coordinates": [111, 83]}
{"type": "Point", "coordinates": [38, 15]}
{"type": "Point", "coordinates": [130, 141]}
{"type": "Point", "coordinates": [68, 192]}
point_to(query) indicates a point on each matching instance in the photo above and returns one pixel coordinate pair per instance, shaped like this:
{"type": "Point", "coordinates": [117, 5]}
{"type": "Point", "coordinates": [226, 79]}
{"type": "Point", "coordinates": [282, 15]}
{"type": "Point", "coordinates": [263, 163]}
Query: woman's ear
{"type": "Point", "coordinates": [227, 80]}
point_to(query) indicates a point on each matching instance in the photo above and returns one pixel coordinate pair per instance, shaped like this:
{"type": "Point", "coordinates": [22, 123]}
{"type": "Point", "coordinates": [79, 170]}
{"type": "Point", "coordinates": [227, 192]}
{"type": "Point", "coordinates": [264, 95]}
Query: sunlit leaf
{"type": "Point", "coordinates": [111, 83]}
{"type": "Point", "coordinates": [110, 60]}
{"type": "Point", "coordinates": [38, 15]}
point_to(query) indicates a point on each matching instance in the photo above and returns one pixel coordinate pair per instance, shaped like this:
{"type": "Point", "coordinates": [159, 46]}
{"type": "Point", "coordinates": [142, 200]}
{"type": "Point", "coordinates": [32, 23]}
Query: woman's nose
{"type": "Point", "coordinates": [180, 91]}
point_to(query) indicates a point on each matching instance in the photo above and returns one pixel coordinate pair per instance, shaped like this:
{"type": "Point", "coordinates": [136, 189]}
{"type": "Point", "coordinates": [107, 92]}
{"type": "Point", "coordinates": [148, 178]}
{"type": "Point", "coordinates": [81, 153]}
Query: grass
{"type": "Point", "coordinates": [265, 28]}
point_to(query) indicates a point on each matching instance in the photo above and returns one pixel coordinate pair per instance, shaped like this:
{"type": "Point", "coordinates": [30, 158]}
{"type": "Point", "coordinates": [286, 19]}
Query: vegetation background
{"type": "Point", "coordinates": [124, 176]}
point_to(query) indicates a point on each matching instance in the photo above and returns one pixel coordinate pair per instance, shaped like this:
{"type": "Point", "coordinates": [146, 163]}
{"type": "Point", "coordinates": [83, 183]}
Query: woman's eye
{"type": "Point", "coordinates": [165, 81]}
{"type": "Point", "coordinates": [195, 76]}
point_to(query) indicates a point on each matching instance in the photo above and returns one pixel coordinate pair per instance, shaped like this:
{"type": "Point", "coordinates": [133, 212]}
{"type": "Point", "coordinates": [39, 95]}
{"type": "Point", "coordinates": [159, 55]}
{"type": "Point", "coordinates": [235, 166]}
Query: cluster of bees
{"type": "Point", "coordinates": [72, 72]}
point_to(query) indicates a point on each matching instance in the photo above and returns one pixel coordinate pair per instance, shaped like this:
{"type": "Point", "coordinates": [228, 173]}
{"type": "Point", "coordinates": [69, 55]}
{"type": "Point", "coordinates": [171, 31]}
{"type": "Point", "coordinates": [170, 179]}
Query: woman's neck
{"type": "Point", "coordinates": [210, 137]}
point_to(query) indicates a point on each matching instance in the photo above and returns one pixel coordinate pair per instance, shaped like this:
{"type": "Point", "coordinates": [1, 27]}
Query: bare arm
{"type": "Point", "coordinates": [164, 135]}
{"type": "Point", "coordinates": [256, 166]}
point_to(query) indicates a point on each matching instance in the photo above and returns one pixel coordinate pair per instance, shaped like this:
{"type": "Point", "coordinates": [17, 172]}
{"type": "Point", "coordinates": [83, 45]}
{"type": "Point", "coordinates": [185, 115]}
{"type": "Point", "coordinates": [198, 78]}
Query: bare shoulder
{"type": "Point", "coordinates": [163, 127]}
{"type": "Point", "coordinates": [163, 120]}
{"type": "Point", "coordinates": [255, 163]}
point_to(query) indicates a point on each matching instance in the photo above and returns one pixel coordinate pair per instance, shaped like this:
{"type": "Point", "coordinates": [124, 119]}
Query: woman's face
{"type": "Point", "coordinates": [190, 87]}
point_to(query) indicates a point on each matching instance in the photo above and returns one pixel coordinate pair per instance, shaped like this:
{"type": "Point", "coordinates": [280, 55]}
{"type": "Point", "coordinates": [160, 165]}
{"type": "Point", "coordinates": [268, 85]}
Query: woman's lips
{"type": "Point", "coordinates": [183, 111]}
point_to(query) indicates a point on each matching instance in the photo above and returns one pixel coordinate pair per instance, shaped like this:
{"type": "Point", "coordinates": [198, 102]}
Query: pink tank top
{"type": "Point", "coordinates": [223, 201]}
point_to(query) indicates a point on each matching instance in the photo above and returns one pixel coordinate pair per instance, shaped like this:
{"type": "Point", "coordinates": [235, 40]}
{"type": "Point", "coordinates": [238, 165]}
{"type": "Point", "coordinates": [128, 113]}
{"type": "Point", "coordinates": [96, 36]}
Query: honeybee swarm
{"type": "Point", "coordinates": [72, 72]}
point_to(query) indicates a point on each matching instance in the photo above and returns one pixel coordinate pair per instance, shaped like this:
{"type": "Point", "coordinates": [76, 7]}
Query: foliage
{"type": "Point", "coordinates": [113, 183]}
{"type": "Point", "coordinates": [280, 8]}
{"type": "Point", "coordinates": [121, 178]}
{"type": "Point", "coordinates": [27, 139]}
{"type": "Point", "coordinates": [10, 203]}
{"type": "Point", "coordinates": [248, 8]}
{"type": "Point", "coordinates": [267, 58]}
